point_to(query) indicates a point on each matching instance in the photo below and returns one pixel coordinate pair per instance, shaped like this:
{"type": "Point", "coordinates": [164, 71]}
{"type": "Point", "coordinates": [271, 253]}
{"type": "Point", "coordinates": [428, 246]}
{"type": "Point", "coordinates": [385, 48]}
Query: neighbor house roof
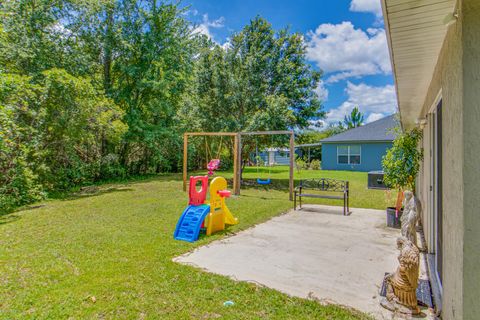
{"type": "Point", "coordinates": [380, 130]}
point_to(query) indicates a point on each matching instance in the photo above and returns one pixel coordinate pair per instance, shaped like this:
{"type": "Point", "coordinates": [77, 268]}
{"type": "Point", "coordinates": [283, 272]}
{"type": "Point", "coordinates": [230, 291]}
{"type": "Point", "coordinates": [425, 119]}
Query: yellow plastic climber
{"type": "Point", "coordinates": [219, 213]}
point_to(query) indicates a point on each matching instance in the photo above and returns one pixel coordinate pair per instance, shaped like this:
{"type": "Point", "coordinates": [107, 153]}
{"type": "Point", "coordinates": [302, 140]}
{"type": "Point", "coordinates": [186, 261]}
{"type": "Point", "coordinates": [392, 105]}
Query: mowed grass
{"type": "Point", "coordinates": [108, 255]}
{"type": "Point", "coordinates": [360, 195]}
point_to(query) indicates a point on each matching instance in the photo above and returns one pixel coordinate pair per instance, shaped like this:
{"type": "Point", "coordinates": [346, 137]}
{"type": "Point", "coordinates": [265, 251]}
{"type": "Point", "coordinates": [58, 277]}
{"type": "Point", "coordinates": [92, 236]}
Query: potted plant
{"type": "Point", "coordinates": [400, 166]}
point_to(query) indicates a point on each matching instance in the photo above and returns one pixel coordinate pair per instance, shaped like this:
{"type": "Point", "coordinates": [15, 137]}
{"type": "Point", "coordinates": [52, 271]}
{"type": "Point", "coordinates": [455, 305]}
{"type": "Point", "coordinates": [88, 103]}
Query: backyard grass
{"type": "Point", "coordinates": [108, 254]}
{"type": "Point", "coordinates": [360, 195]}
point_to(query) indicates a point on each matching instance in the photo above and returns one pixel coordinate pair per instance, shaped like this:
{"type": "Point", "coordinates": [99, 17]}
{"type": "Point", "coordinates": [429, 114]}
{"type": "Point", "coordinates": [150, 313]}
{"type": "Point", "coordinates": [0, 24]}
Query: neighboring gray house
{"type": "Point", "coordinates": [359, 149]}
{"type": "Point", "coordinates": [273, 156]}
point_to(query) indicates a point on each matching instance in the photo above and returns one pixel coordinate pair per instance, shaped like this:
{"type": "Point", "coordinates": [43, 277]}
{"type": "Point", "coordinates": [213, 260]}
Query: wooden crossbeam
{"type": "Point", "coordinates": [259, 133]}
{"type": "Point", "coordinates": [210, 134]}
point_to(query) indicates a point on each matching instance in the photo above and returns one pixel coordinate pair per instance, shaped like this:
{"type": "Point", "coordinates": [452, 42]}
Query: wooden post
{"type": "Point", "coordinates": [185, 161]}
{"type": "Point", "coordinates": [292, 159]}
{"type": "Point", "coordinates": [239, 164]}
{"type": "Point", "coordinates": [236, 191]}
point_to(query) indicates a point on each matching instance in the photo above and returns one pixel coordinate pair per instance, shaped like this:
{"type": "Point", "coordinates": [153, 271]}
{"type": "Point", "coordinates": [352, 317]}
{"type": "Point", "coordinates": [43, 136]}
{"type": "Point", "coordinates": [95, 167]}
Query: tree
{"type": "Point", "coordinates": [402, 162]}
{"type": "Point", "coordinates": [308, 137]}
{"type": "Point", "coordinates": [144, 54]}
{"type": "Point", "coordinates": [56, 127]}
{"type": "Point", "coordinates": [19, 147]}
{"type": "Point", "coordinates": [96, 89]}
{"type": "Point", "coordinates": [77, 123]}
{"type": "Point", "coordinates": [354, 120]}
{"type": "Point", "coordinates": [261, 82]}
{"type": "Point", "coordinates": [34, 37]}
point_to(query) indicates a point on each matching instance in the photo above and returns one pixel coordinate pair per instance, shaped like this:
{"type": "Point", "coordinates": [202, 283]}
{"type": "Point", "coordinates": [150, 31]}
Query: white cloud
{"type": "Point", "coordinates": [374, 117]}
{"type": "Point", "coordinates": [322, 91]}
{"type": "Point", "coordinates": [374, 102]}
{"type": "Point", "coordinates": [192, 12]}
{"type": "Point", "coordinates": [227, 44]}
{"type": "Point", "coordinates": [342, 51]}
{"type": "Point", "coordinates": [206, 25]}
{"type": "Point", "coordinates": [316, 124]}
{"type": "Point", "coordinates": [372, 6]}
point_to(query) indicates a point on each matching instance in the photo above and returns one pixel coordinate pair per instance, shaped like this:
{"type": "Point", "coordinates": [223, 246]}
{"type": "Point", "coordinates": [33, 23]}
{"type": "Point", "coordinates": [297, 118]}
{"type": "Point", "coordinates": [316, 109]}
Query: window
{"type": "Point", "coordinates": [342, 154]}
{"type": "Point", "coordinates": [354, 154]}
{"type": "Point", "coordinates": [349, 154]}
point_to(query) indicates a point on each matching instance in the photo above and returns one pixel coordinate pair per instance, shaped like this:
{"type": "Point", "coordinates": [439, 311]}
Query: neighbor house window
{"type": "Point", "coordinates": [348, 154]}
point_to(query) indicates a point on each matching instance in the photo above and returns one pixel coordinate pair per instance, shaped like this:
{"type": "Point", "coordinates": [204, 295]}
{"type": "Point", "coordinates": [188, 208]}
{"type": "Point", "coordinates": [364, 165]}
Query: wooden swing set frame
{"type": "Point", "coordinates": [237, 155]}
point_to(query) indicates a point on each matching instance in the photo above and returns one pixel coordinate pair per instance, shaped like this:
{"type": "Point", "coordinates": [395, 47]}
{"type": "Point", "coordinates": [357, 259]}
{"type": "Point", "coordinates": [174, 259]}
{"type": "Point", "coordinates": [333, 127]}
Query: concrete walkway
{"type": "Point", "coordinates": [316, 252]}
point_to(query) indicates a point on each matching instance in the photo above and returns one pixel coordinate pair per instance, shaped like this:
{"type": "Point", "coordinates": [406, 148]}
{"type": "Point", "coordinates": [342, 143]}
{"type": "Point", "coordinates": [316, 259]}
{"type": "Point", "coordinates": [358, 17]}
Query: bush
{"type": "Point", "coordinates": [315, 164]}
{"type": "Point", "coordinates": [54, 130]}
{"type": "Point", "coordinates": [18, 144]}
{"type": "Point", "coordinates": [259, 161]}
{"type": "Point", "coordinates": [300, 164]}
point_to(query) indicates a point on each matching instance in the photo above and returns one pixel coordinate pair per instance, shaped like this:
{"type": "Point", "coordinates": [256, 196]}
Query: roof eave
{"type": "Point", "coordinates": [408, 24]}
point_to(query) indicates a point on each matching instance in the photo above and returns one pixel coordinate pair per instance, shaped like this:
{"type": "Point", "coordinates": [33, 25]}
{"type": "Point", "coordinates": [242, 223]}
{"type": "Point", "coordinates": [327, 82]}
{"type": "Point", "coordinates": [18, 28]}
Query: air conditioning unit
{"type": "Point", "coordinates": [375, 180]}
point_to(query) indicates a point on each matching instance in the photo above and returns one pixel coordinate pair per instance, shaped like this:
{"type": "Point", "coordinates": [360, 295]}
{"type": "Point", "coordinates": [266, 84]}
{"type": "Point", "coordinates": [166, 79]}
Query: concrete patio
{"type": "Point", "coordinates": [316, 252]}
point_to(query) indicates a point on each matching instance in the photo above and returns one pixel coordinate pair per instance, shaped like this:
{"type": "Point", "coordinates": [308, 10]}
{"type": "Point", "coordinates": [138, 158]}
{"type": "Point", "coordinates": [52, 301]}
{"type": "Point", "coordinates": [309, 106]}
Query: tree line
{"type": "Point", "coordinates": [100, 89]}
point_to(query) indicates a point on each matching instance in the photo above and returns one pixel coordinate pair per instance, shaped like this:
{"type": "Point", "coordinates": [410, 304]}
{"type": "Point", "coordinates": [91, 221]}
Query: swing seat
{"type": "Point", "coordinates": [264, 181]}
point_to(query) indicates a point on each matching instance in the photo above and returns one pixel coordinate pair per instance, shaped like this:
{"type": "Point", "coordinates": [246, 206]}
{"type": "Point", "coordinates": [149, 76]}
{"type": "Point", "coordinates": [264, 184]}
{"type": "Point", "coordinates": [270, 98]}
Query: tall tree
{"type": "Point", "coordinates": [262, 81]}
{"type": "Point", "coordinates": [54, 121]}
{"type": "Point", "coordinates": [144, 51]}
{"type": "Point", "coordinates": [354, 119]}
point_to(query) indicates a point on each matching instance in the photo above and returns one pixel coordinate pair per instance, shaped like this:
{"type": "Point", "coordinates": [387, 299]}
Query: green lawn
{"type": "Point", "coordinates": [108, 255]}
{"type": "Point", "coordinates": [360, 195]}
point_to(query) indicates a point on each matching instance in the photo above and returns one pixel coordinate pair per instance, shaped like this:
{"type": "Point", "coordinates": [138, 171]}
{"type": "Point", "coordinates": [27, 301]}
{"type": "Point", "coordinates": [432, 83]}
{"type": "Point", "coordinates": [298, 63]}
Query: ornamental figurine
{"type": "Point", "coordinates": [402, 285]}
{"type": "Point", "coordinates": [409, 217]}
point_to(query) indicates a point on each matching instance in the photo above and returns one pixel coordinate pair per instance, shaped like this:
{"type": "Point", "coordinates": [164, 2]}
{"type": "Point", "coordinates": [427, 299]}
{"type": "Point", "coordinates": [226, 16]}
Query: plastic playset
{"type": "Point", "coordinates": [212, 215]}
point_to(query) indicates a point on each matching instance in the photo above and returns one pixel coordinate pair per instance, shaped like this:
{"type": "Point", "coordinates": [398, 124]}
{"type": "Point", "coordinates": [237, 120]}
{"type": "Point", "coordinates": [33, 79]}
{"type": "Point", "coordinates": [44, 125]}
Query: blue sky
{"type": "Point", "coordinates": [345, 38]}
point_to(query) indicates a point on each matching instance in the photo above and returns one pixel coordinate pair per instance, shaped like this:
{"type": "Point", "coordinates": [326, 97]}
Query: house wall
{"type": "Point", "coordinates": [371, 156]}
{"type": "Point", "coordinates": [457, 76]}
{"type": "Point", "coordinates": [280, 157]}
{"type": "Point", "coordinates": [471, 165]}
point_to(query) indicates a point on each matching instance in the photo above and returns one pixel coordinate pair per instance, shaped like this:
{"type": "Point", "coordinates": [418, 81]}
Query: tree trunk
{"type": "Point", "coordinates": [107, 58]}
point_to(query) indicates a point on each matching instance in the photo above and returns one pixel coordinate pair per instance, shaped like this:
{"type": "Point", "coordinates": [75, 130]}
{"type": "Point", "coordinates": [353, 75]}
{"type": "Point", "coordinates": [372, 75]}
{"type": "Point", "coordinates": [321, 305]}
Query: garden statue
{"type": "Point", "coordinates": [402, 285]}
{"type": "Point", "coordinates": [409, 217]}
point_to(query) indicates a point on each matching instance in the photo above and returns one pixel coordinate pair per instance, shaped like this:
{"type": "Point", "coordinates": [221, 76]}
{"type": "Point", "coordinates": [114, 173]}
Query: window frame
{"type": "Point", "coordinates": [348, 154]}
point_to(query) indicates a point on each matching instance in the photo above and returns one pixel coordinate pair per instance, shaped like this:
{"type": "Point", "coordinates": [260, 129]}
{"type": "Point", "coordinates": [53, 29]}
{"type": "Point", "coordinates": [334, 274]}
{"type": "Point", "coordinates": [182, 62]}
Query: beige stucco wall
{"type": "Point", "coordinates": [471, 164]}
{"type": "Point", "coordinates": [457, 76]}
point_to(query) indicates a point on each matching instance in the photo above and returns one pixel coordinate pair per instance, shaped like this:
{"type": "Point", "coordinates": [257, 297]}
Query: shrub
{"type": "Point", "coordinates": [54, 132]}
{"type": "Point", "coordinates": [300, 164]}
{"type": "Point", "coordinates": [18, 144]}
{"type": "Point", "coordinates": [259, 161]}
{"type": "Point", "coordinates": [315, 164]}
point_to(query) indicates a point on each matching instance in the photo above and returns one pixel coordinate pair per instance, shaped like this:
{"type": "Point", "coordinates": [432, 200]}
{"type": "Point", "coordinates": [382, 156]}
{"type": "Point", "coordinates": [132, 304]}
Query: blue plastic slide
{"type": "Point", "coordinates": [188, 226]}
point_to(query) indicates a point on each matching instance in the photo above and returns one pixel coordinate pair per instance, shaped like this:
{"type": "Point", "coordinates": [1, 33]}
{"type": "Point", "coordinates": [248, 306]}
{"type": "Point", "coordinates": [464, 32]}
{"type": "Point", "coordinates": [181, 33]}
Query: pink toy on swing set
{"type": "Point", "coordinates": [212, 166]}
